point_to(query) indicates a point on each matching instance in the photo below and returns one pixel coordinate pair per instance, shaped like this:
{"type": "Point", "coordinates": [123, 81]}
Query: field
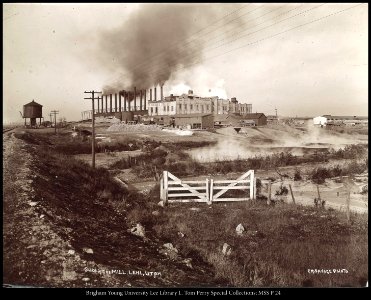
{"type": "Point", "coordinates": [283, 244]}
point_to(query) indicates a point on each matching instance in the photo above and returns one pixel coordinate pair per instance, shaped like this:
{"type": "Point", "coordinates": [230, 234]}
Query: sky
{"type": "Point", "coordinates": [284, 60]}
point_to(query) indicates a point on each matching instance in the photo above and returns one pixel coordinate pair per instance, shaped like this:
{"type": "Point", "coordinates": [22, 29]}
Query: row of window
{"type": "Point", "coordinates": [168, 108]}
{"type": "Point", "coordinates": [197, 107]}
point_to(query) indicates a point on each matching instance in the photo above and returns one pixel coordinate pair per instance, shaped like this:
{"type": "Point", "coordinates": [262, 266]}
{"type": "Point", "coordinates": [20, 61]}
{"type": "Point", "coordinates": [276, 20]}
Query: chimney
{"type": "Point", "coordinates": [150, 94]}
{"type": "Point", "coordinates": [135, 98]}
{"type": "Point", "coordinates": [162, 93]}
{"type": "Point", "coordinates": [145, 99]}
{"type": "Point", "coordinates": [155, 94]}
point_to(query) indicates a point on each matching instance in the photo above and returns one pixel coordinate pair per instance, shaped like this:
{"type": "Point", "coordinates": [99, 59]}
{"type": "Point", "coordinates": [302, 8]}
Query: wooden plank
{"type": "Point", "coordinates": [242, 187]}
{"type": "Point", "coordinates": [252, 184]}
{"type": "Point", "coordinates": [166, 173]}
{"type": "Point", "coordinates": [233, 184]}
{"type": "Point", "coordinates": [187, 200]}
{"type": "Point", "coordinates": [162, 188]}
{"type": "Point", "coordinates": [230, 181]}
{"type": "Point", "coordinates": [211, 194]}
{"type": "Point", "coordinates": [186, 181]}
{"type": "Point", "coordinates": [186, 188]}
{"type": "Point", "coordinates": [207, 191]}
{"type": "Point", "coordinates": [230, 199]}
{"type": "Point", "coordinates": [185, 195]}
{"type": "Point", "coordinates": [254, 198]}
{"type": "Point", "coordinates": [186, 185]}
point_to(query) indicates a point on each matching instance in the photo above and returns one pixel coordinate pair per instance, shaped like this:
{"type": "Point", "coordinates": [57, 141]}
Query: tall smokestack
{"type": "Point", "coordinates": [141, 98]}
{"type": "Point", "coordinates": [155, 94]}
{"type": "Point", "coordinates": [135, 98]}
{"type": "Point", "coordinates": [162, 92]}
{"type": "Point", "coordinates": [145, 99]}
{"type": "Point", "coordinates": [150, 94]}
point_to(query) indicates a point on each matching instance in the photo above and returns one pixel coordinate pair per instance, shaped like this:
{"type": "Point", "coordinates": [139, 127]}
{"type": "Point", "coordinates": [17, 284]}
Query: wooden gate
{"type": "Point", "coordinates": [173, 189]}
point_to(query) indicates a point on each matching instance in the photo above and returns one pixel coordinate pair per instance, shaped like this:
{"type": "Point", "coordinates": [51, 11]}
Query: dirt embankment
{"type": "Point", "coordinates": [60, 232]}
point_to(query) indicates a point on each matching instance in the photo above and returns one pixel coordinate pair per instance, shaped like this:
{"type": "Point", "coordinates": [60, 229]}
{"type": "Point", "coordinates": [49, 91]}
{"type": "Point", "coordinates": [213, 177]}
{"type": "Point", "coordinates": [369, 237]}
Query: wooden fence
{"type": "Point", "coordinates": [173, 189]}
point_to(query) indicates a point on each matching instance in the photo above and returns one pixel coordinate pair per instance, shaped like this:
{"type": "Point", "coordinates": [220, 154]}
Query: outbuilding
{"type": "Point", "coordinates": [259, 119]}
{"type": "Point", "coordinates": [194, 121]}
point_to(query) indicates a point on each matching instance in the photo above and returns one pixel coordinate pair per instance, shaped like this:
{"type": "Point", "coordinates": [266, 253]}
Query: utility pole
{"type": "Point", "coordinates": [55, 112]}
{"type": "Point", "coordinates": [92, 98]}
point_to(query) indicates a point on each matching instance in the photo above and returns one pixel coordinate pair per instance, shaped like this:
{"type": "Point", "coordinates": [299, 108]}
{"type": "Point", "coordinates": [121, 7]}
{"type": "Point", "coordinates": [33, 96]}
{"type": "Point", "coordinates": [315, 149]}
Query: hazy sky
{"type": "Point", "coordinates": [53, 53]}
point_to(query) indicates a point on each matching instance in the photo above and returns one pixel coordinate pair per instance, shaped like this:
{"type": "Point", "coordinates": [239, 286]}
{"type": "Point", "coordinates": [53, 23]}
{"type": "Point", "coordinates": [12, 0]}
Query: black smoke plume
{"type": "Point", "coordinates": [154, 41]}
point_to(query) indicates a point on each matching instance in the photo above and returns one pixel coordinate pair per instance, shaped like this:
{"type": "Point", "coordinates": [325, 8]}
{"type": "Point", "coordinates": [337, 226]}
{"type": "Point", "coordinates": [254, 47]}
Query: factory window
{"type": "Point", "coordinates": [180, 106]}
{"type": "Point", "coordinates": [185, 106]}
{"type": "Point", "coordinates": [197, 107]}
{"type": "Point", "coordinates": [208, 107]}
{"type": "Point", "coordinates": [191, 106]}
{"type": "Point", "coordinates": [156, 110]}
{"type": "Point", "coordinates": [172, 108]}
{"type": "Point", "coordinates": [151, 110]}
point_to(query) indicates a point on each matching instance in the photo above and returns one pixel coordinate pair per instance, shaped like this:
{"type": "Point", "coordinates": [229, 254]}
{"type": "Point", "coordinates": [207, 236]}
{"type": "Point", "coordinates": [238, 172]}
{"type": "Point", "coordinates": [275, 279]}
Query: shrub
{"type": "Point", "coordinates": [337, 171]}
{"type": "Point", "coordinates": [297, 175]}
{"type": "Point", "coordinates": [320, 174]}
{"type": "Point", "coordinates": [364, 189]}
{"type": "Point", "coordinates": [282, 191]}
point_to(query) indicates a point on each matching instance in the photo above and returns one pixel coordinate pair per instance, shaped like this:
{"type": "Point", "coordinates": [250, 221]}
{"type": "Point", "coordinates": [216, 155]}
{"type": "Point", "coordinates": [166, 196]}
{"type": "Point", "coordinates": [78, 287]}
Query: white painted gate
{"type": "Point", "coordinates": [173, 189]}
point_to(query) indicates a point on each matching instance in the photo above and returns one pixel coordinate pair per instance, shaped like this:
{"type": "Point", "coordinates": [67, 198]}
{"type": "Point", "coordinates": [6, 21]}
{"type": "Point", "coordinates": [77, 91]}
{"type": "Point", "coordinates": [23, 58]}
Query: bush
{"type": "Point", "coordinates": [364, 189]}
{"type": "Point", "coordinates": [319, 175]}
{"type": "Point", "coordinates": [282, 191]}
{"type": "Point", "coordinates": [337, 171]}
{"type": "Point", "coordinates": [297, 175]}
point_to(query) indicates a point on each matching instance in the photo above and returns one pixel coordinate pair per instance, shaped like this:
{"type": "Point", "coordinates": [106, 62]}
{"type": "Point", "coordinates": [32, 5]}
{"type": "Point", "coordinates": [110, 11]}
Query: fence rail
{"type": "Point", "coordinates": [173, 189]}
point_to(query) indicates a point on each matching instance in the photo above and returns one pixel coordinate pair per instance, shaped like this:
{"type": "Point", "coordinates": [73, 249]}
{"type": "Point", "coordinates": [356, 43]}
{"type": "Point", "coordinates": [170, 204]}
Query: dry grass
{"type": "Point", "coordinates": [280, 245]}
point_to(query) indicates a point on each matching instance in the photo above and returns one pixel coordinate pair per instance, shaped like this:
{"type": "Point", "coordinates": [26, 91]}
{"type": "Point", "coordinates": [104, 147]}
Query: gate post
{"type": "Point", "coordinates": [252, 185]}
{"type": "Point", "coordinates": [254, 188]}
{"type": "Point", "coordinates": [165, 175]}
{"type": "Point", "coordinates": [207, 191]}
{"type": "Point", "coordinates": [211, 193]}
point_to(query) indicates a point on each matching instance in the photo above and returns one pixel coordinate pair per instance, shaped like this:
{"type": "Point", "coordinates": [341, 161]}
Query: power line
{"type": "Point", "coordinates": [185, 49]}
{"type": "Point", "coordinates": [261, 29]}
{"type": "Point", "coordinates": [271, 36]}
{"type": "Point", "coordinates": [210, 45]}
{"type": "Point", "coordinates": [55, 112]}
{"type": "Point", "coordinates": [92, 98]}
{"type": "Point", "coordinates": [265, 38]}
{"type": "Point", "coordinates": [197, 32]}
{"type": "Point", "coordinates": [145, 65]}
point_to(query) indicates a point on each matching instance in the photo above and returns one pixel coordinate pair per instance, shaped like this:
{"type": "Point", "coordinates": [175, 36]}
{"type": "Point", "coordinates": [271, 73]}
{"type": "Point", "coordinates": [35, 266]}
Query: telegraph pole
{"type": "Point", "coordinates": [92, 98]}
{"type": "Point", "coordinates": [55, 112]}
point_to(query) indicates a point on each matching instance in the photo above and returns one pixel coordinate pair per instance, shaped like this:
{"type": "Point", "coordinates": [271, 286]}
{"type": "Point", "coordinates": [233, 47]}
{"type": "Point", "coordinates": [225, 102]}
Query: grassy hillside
{"type": "Point", "coordinates": [280, 246]}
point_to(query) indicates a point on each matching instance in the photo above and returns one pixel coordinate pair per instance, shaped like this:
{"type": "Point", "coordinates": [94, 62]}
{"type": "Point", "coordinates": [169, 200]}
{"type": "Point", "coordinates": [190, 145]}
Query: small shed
{"type": "Point", "coordinates": [259, 119]}
{"type": "Point", "coordinates": [32, 111]}
{"type": "Point", "coordinates": [195, 121]}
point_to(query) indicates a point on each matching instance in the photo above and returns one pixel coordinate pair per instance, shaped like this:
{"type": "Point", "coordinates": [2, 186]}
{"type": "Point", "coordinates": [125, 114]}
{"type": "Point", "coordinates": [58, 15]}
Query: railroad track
{"type": "Point", "coordinates": [8, 129]}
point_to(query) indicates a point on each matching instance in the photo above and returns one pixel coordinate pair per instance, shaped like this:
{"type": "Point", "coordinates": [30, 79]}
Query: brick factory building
{"type": "Point", "coordinates": [192, 104]}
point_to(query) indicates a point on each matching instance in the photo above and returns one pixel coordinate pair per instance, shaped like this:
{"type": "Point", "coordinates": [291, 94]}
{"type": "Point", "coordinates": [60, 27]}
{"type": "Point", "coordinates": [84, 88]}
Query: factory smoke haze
{"type": "Point", "coordinates": [154, 42]}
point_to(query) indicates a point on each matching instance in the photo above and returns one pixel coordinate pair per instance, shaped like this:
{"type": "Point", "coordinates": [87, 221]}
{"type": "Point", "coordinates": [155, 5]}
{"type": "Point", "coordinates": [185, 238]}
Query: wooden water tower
{"type": "Point", "coordinates": [32, 111]}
